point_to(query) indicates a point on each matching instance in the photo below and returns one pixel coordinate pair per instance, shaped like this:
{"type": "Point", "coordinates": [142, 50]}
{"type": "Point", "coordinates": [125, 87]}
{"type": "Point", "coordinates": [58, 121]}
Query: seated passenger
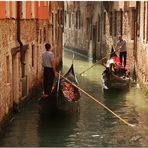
{"type": "Point", "coordinates": [120, 70]}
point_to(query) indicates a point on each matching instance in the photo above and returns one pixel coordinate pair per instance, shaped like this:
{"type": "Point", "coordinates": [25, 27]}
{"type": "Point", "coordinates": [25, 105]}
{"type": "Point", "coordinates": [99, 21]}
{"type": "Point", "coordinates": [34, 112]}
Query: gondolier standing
{"type": "Point", "coordinates": [49, 65]}
{"type": "Point", "coordinates": [121, 45]}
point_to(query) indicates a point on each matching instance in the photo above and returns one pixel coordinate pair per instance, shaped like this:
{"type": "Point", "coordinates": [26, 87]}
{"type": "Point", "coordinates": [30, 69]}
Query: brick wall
{"type": "Point", "coordinates": [8, 41]}
{"type": "Point", "coordinates": [75, 36]}
{"type": "Point", "coordinates": [17, 80]}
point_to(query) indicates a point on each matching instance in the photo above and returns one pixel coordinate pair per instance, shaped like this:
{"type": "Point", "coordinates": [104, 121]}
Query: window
{"type": "Point", "coordinates": [104, 28]}
{"type": "Point", "coordinates": [90, 28]}
{"type": "Point", "coordinates": [33, 55]}
{"type": "Point", "coordinates": [133, 24]}
{"type": "Point", "coordinates": [76, 19]}
{"type": "Point", "coordinates": [111, 17]}
{"type": "Point", "coordinates": [58, 16]}
{"type": "Point", "coordinates": [7, 9]}
{"type": "Point", "coordinates": [79, 18]}
{"type": "Point", "coordinates": [44, 34]}
{"type": "Point", "coordinates": [13, 9]}
{"type": "Point", "coordinates": [65, 17]}
{"type": "Point", "coordinates": [45, 3]}
{"type": "Point", "coordinates": [138, 18]}
{"type": "Point", "coordinates": [40, 36]}
{"type": "Point", "coordinates": [73, 21]}
{"type": "Point", "coordinates": [121, 21]}
{"type": "Point", "coordinates": [87, 25]}
{"type": "Point", "coordinates": [23, 9]}
{"type": "Point", "coordinates": [69, 19]}
{"type": "Point", "coordinates": [115, 23]}
{"type": "Point", "coordinates": [147, 23]}
{"type": "Point", "coordinates": [144, 20]}
{"type": "Point", "coordinates": [8, 70]}
{"type": "Point", "coordinates": [56, 27]}
{"type": "Point", "coordinates": [52, 26]}
{"type": "Point", "coordinates": [62, 17]}
{"type": "Point", "coordinates": [59, 33]}
{"type": "Point", "coordinates": [98, 28]}
{"type": "Point", "coordinates": [32, 9]}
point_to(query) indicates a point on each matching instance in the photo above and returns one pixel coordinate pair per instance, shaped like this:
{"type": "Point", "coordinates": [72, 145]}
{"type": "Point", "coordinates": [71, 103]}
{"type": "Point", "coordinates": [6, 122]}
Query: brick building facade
{"type": "Point", "coordinates": [25, 27]}
{"type": "Point", "coordinates": [96, 26]}
{"type": "Point", "coordinates": [80, 32]}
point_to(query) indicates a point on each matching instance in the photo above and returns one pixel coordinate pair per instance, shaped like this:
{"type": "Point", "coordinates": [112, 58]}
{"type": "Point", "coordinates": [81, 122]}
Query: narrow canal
{"type": "Point", "coordinates": [94, 126]}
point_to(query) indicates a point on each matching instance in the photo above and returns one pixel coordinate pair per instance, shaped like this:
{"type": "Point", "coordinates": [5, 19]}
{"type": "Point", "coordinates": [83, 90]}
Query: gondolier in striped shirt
{"type": "Point", "coordinates": [49, 64]}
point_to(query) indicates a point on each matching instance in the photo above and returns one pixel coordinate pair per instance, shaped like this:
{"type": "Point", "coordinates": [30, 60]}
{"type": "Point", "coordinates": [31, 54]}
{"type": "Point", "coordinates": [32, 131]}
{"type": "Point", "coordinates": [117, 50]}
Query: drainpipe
{"type": "Point", "coordinates": [18, 30]}
{"type": "Point", "coordinates": [16, 106]}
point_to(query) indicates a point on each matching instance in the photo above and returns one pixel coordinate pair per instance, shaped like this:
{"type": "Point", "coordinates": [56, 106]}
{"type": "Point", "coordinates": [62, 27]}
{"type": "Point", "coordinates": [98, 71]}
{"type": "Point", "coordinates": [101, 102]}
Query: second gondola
{"type": "Point", "coordinates": [115, 75]}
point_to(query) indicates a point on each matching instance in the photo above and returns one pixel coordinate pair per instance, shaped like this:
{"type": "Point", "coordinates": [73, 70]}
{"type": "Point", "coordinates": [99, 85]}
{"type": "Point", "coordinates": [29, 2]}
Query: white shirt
{"type": "Point", "coordinates": [47, 56]}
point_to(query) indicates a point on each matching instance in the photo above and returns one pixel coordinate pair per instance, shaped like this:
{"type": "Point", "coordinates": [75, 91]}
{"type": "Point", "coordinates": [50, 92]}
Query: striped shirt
{"type": "Point", "coordinates": [47, 57]}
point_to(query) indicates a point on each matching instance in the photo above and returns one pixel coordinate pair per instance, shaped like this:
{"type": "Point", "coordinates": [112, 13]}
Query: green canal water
{"type": "Point", "coordinates": [94, 126]}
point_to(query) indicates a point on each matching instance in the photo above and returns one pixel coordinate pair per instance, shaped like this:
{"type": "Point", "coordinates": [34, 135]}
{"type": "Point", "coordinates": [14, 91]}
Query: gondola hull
{"type": "Point", "coordinates": [67, 107]}
{"type": "Point", "coordinates": [58, 102]}
{"type": "Point", "coordinates": [115, 82]}
{"type": "Point", "coordinates": [111, 80]}
{"type": "Point", "coordinates": [64, 103]}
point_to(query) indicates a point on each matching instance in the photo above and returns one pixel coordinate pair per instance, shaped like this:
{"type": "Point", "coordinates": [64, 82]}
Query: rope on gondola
{"type": "Point", "coordinates": [97, 62]}
{"type": "Point", "coordinates": [98, 102]}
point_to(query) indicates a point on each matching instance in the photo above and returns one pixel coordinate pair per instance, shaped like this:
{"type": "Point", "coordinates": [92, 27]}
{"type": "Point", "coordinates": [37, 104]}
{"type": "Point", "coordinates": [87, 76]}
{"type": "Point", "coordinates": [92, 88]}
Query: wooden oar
{"type": "Point", "coordinates": [89, 67]}
{"type": "Point", "coordinates": [95, 63]}
{"type": "Point", "coordinates": [98, 102]}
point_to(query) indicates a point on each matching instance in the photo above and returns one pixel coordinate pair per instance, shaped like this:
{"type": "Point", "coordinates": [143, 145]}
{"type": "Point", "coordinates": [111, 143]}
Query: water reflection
{"type": "Point", "coordinates": [54, 130]}
{"type": "Point", "coordinates": [94, 126]}
{"type": "Point", "coordinates": [22, 131]}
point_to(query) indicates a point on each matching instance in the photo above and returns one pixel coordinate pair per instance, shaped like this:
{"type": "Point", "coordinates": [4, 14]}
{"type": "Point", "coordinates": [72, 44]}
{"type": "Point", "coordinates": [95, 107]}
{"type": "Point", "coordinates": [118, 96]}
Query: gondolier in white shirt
{"type": "Point", "coordinates": [121, 45]}
{"type": "Point", "coordinates": [49, 65]}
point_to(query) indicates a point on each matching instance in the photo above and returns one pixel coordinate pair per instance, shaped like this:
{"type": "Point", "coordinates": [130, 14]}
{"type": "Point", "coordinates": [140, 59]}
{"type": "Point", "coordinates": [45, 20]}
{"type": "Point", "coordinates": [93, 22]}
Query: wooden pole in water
{"type": "Point", "coordinates": [98, 102]}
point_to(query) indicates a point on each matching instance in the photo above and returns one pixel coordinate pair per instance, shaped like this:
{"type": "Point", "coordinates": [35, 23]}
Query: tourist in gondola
{"type": "Point", "coordinates": [121, 46]}
{"type": "Point", "coordinates": [119, 70]}
{"type": "Point", "coordinates": [49, 65]}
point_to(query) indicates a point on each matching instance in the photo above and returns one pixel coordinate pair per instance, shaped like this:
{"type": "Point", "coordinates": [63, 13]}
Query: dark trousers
{"type": "Point", "coordinates": [48, 79]}
{"type": "Point", "coordinates": [123, 55]}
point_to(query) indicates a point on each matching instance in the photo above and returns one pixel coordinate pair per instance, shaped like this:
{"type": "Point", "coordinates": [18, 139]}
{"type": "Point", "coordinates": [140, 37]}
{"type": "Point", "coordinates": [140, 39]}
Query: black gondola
{"type": "Point", "coordinates": [65, 97]}
{"type": "Point", "coordinates": [114, 75]}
